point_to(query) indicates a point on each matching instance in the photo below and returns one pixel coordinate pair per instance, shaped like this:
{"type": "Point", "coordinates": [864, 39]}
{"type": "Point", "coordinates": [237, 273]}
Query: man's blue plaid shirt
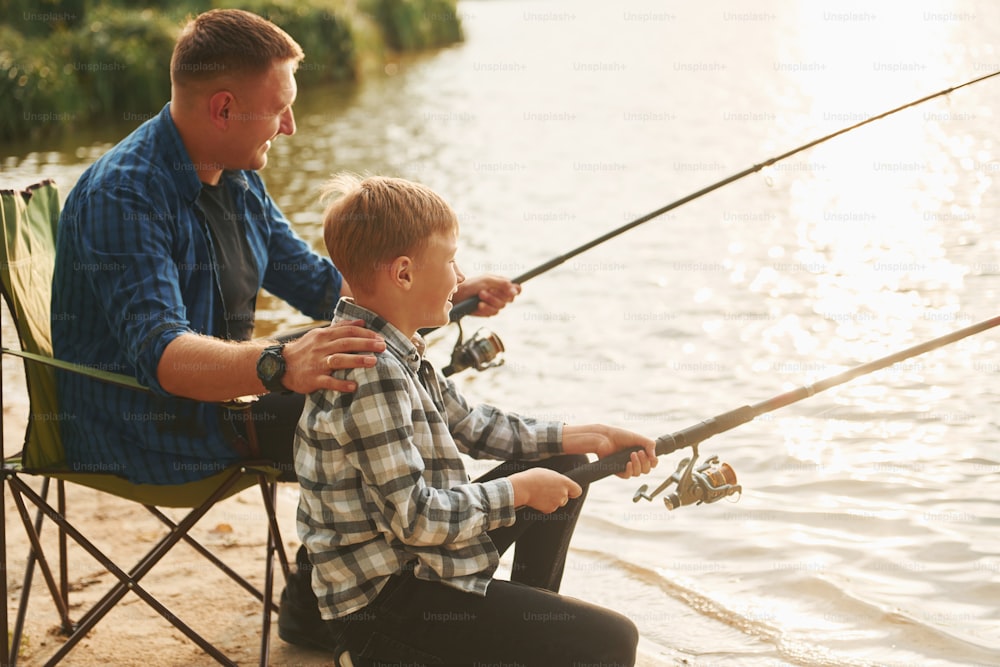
{"type": "Point", "coordinates": [135, 268]}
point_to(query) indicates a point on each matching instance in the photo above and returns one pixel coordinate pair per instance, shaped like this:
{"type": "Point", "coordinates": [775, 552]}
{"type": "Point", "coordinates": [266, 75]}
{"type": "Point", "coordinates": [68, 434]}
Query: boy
{"type": "Point", "coordinates": [403, 545]}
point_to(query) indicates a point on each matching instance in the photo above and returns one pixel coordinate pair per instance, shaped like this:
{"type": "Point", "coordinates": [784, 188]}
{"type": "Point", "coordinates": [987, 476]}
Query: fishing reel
{"type": "Point", "coordinates": [707, 483]}
{"type": "Point", "coordinates": [484, 350]}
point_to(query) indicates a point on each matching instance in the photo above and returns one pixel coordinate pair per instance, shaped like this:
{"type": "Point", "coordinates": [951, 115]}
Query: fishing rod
{"type": "Point", "coordinates": [469, 305]}
{"type": "Point", "coordinates": [713, 481]}
{"type": "Point", "coordinates": [485, 349]}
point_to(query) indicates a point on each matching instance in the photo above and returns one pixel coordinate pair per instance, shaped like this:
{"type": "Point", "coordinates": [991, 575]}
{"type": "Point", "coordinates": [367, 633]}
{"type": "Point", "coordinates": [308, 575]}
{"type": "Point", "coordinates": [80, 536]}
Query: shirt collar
{"type": "Point", "coordinates": [178, 159]}
{"type": "Point", "coordinates": [409, 350]}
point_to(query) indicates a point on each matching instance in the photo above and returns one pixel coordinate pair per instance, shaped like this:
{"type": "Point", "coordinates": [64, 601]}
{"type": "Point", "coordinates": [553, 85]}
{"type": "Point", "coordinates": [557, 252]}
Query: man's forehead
{"type": "Point", "coordinates": [282, 77]}
{"type": "Point", "coordinates": [275, 84]}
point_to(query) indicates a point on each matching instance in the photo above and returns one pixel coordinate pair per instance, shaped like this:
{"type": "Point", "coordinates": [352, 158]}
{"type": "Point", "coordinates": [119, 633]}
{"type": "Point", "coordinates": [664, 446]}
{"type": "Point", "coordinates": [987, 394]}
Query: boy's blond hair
{"type": "Point", "coordinates": [371, 221]}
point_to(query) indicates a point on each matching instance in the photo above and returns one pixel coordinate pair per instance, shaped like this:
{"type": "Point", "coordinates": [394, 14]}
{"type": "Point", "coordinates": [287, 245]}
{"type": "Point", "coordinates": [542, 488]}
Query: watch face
{"type": "Point", "coordinates": [269, 365]}
{"type": "Point", "coordinates": [271, 368]}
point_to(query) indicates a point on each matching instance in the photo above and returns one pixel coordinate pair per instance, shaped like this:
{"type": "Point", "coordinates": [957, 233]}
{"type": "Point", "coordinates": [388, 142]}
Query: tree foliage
{"type": "Point", "coordinates": [69, 62]}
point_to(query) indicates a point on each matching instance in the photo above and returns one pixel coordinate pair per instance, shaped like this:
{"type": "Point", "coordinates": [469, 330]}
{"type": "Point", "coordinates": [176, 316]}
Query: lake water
{"type": "Point", "coordinates": [868, 530]}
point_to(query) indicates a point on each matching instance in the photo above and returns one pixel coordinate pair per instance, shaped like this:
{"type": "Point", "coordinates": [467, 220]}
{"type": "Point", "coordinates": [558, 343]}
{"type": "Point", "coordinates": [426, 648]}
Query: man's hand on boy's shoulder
{"type": "Point", "coordinates": [312, 358]}
{"type": "Point", "coordinates": [494, 293]}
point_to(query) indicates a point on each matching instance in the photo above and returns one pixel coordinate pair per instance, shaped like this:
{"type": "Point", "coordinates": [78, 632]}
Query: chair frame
{"type": "Point", "coordinates": [14, 473]}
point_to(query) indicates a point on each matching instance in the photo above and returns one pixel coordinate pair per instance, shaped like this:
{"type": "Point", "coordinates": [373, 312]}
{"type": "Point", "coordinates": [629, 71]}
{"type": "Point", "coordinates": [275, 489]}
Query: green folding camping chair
{"type": "Point", "coordinates": [29, 223]}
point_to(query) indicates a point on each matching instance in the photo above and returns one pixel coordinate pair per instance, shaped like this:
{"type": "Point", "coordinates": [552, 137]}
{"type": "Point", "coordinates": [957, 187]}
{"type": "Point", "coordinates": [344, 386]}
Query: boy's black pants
{"type": "Point", "coordinates": [522, 622]}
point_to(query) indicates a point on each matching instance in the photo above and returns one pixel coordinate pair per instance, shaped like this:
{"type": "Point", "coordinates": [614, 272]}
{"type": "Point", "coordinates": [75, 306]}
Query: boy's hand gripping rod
{"type": "Point", "coordinates": [703, 485]}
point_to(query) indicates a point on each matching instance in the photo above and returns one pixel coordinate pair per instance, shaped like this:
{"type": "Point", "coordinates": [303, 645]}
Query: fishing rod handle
{"type": "Point", "coordinates": [665, 444]}
{"type": "Point", "coordinates": [463, 308]}
{"type": "Point", "coordinates": [615, 463]}
{"type": "Point", "coordinates": [609, 465]}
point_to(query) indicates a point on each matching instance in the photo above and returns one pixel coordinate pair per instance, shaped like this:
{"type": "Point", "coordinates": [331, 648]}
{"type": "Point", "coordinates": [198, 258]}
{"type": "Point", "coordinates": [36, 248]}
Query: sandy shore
{"type": "Point", "coordinates": [132, 633]}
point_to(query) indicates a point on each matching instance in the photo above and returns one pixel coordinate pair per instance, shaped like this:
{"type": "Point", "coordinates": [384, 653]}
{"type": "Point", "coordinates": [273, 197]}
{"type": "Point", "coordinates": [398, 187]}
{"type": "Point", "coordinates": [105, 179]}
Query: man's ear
{"type": "Point", "coordinates": [219, 108]}
{"type": "Point", "coordinates": [401, 272]}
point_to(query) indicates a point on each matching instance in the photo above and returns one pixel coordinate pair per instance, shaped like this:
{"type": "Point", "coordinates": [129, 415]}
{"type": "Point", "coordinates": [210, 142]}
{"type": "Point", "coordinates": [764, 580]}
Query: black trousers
{"type": "Point", "coordinates": [275, 417]}
{"type": "Point", "coordinates": [523, 621]}
{"type": "Point", "coordinates": [415, 622]}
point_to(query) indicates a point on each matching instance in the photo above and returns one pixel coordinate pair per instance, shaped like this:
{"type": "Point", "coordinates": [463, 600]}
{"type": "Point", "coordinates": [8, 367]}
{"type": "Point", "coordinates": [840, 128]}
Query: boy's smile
{"type": "Point", "coordinates": [436, 280]}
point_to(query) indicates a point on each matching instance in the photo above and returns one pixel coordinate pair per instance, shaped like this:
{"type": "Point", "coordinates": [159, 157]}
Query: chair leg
{"type": "Point", "coordinates": [268, 602]}
{"type": "Point", "coordinates": [269, 489]}
{"type": "Point", "coordinates": [130, 581]}
{"type": "Point", "coordinates": [63, 560]}
{"type": "Point", "coordinates": [37, 555]}
{"type": "Point", "coordinates": [29, 569]}
{"type": "Point", "coordinates": [212, 558]}
{"type": "Point", "coordinates": [5, 653]}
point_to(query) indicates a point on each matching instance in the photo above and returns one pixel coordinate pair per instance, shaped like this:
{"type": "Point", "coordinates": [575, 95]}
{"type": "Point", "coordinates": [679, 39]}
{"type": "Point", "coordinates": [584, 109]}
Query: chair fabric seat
{"type": "Point", "coordinates": [189, 494]}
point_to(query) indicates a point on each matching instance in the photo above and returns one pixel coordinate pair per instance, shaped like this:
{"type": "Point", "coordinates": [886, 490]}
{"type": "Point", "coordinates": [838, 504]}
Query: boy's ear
{"type": "Point", "coordinates": [401, 272]}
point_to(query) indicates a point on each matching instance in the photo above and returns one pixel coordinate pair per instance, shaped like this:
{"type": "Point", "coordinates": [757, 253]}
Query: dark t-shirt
{"type": "Point", "coordinates": [236, 270]}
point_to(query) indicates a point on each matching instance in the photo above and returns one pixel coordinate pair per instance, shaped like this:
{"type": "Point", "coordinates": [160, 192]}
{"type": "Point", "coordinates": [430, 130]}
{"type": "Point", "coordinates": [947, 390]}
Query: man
{"type": "Point", "coordinates": [163, 246]}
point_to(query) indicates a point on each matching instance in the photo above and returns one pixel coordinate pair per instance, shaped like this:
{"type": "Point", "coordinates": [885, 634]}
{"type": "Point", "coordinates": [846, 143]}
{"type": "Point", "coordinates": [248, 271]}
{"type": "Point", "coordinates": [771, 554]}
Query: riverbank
{"type": "Point", "coordinates": [65, 67]}
{"type": "Point", "coordinates": [133, 634]}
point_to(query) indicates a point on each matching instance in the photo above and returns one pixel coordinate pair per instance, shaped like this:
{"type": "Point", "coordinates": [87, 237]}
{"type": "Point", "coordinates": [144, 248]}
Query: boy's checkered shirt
{"type": "Point", "coordinates": [383, 487]}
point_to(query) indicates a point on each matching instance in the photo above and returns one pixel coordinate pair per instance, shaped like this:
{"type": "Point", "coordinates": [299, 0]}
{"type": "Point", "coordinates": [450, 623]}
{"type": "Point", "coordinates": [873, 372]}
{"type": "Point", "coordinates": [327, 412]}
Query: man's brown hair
{"type": "Point", "coordinates": [229, 41]}
{"type": "Point", "coordinates": [377, 219]}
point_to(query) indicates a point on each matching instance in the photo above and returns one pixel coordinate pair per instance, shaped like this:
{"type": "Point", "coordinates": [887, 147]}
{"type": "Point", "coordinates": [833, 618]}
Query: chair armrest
{"type": "Point", "coordinates": [105, 376]}
{"type": "Point", "coordinates": [119, 379]}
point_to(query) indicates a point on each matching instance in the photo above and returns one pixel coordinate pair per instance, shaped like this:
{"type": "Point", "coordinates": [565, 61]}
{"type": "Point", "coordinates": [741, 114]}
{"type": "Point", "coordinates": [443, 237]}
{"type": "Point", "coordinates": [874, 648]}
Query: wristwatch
{"type": "Point", "coordinates": [271, 368]}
